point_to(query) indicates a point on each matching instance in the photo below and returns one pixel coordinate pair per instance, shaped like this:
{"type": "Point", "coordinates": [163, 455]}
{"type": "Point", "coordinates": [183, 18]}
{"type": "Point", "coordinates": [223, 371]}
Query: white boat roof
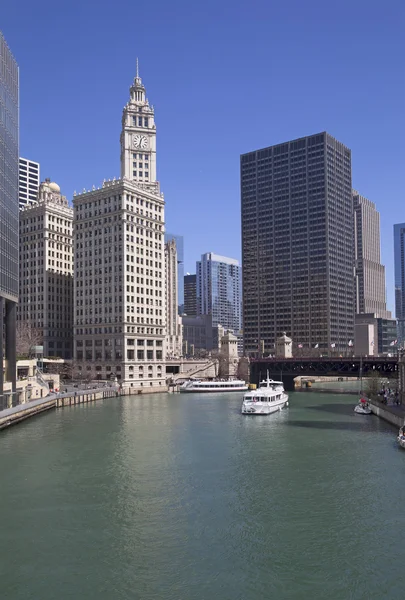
{"type": "Point", "coordinates": [272, 381]}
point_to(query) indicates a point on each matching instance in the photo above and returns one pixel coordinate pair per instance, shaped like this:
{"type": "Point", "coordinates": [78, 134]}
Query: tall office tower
{"type": "Point", "coordinates": [219, 290]}
{"type": "Point", "coordinates": [28, 182]}
{"type": "Point", "coordinates": [399, 264]}
{"type": "Point", "coordinates": [297, 244]}
{"type": "Point", "coordinates": [174, 337]}
{"type": "Point", "coordinates": [9, 133]}
{"type": "Point", "coordinates": [180, 266]}
{"type": "Point", "coordinates": [369, 272]}
{"type": "Point", "coordinates": [46, 271]}
{"type": "Point", "coordinates": [119, 290]}
{"type": "Point", "coordinates": [190, 295]}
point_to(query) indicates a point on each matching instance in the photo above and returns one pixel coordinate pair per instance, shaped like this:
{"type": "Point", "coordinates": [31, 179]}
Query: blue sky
{"type": "Point", "coordinates": [225, 77]}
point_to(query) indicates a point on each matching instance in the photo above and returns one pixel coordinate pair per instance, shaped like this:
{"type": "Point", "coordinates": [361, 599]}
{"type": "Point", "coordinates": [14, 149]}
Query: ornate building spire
{"type": "Point", "coordinates": [138, 136]}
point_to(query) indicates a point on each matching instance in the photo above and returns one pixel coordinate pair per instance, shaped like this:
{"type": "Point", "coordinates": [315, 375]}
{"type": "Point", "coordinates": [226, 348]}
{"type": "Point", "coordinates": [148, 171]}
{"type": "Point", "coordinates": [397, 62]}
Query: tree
{"type": "Point", "coordinates": [373, 385]}
{"type": "Point", "coordinates": [223, 363]}
{"type": "Point", "coordinates": [27, 336]}
{"type": "Point", "coordinates": [243, 371]}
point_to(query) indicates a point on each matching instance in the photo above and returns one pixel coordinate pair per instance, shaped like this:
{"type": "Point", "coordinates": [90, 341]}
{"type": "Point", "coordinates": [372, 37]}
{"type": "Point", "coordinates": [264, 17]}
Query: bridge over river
{"type": "Point", "coordinates": [286, 369]}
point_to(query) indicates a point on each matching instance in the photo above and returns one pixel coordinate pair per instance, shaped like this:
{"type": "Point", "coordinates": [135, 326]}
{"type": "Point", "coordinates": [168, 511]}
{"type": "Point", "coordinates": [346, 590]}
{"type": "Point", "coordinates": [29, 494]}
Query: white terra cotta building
{"type": "Point", "coordinates": [119, 311]}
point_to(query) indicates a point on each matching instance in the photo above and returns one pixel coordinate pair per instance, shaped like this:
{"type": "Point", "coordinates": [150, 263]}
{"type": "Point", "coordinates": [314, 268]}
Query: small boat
{"type": "Point", "coordinates": [363, 407]}
{"type": "Point", "coordinates": [225, 385]}
{"type": "Point", "coordinates": [268, 398]}
{"type": "Point", "coordinates": [401, 437]}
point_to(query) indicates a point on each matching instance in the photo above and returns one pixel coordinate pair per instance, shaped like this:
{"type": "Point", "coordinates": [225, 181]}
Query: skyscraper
{"type": "Point", "coordinates": [399, 260]}
{"type": "Point", "coordinates": [219, 290]}
{"type": "Point", "coordinates": [46, 270]}
{"type": "Point", "coordinates": [119, 281]}
{"type": "Point", "coordinates": [28, 182]}
{"type": "Point", "coordinates": [9, 135]}
{"type": "Point", "coordinates": [180, 266]}
{"type": "Point", "coordinates": [174, 337]}
{"type": "Point", "coordinates": [297, 244]}
{"type": "Point", "coordinates": [190, 295]}
{"type": "Point", "coordinates": [369, 272]}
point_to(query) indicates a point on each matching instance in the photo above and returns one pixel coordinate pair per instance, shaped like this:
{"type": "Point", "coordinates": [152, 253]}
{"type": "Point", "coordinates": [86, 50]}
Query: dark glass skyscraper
{"type": "Point", "coordinates": [297, 244]}
{"type": "Point", "coordinates": [190, 295]}
{"type": "Point", "coordinates": [9, 113]}
{"type": "Point", "coordinates": [399, 263]}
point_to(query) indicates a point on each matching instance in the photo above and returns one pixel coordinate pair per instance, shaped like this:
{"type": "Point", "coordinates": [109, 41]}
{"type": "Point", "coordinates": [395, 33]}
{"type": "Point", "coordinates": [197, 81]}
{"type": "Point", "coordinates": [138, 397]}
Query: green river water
{"type": "Point", "coordinates": [180, 497]}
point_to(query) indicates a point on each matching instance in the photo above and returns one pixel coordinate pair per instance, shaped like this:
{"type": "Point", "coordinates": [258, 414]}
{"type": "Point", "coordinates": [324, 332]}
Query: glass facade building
{"type": "Point", "coordinates": [9, 127]}
{"type": "Point", "coordinates": [180, 266]}
{"type": "Point", "coordinates": [219, 287]}
{"type": "Point", "coordinates": [190, 295]}
{"type": "Point", "coordinates": [28, 182]}
{"type": "Point", "coordinates": [399, 270]}
{"type": "Point", "coordinates": [297, 244]}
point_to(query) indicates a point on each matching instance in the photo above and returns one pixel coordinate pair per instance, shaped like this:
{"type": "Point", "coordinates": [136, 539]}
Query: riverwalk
{"type": "Point", "coordinates": [16, 414]}
{"type": "Point", "coordinates": [392, 413]}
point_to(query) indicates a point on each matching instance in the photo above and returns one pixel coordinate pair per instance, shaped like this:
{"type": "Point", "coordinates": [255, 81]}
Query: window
{"type": "Point", "coordinates": [140, 354]}
{"type": "Point", "coordinates": [140, 121]}
{"type": "Point", "coordinates": [146, 122]}
{"type": "Point", "coordinates": [130, 354]}
{"type": "Point", "coordinates": [149, 354]}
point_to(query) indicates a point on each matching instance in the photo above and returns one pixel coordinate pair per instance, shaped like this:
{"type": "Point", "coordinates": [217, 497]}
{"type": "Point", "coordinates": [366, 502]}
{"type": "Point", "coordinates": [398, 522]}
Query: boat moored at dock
{"type": "Point", "coordinates": [225, 385]}
{"type": "Point", "coordinates": [363, 407]}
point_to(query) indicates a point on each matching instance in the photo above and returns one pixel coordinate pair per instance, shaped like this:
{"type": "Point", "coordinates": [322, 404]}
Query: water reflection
{"type": "Point", "coordinates": [175, 496]}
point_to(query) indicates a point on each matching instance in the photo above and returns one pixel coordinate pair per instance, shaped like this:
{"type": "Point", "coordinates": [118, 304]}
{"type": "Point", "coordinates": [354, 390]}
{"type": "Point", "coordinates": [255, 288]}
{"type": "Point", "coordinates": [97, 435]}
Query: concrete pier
{"type": "Point", "coordinates": [391, 413]}
{"type": "Point", "coordinates": [16, 414]}
{"type": "Point", "coordinates": [85, 397]}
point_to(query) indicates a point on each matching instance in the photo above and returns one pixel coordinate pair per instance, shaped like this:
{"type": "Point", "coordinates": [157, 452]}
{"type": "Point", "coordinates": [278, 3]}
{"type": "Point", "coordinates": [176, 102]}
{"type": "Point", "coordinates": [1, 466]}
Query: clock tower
{"type": "Point", "coordinates": [138, 137]}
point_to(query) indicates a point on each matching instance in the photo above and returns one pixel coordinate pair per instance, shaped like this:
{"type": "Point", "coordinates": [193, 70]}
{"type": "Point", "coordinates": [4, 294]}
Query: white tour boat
{"type": "Point", "coordinates": [268, 398]}
{"type": "Point", "coordinates": [231, 385]}
{"type": "Point", "coordinates": [363, 407]}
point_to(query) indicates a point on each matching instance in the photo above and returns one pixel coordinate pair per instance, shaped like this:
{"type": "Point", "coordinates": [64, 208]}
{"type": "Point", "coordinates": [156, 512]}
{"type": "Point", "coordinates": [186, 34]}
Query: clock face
{"type": "Point", "coordinates": [140, 141]}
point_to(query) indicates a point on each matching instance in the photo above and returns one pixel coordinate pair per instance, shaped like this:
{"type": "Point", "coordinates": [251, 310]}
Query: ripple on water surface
{"type": "Point", "coordinates": [170, 497]}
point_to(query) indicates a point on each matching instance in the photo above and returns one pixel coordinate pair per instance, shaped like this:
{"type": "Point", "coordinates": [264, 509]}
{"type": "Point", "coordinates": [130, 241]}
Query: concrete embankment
{"type": "Point", "coordinates": [392, 414]}
{"type": "Point", "coordinates": [16, 414]}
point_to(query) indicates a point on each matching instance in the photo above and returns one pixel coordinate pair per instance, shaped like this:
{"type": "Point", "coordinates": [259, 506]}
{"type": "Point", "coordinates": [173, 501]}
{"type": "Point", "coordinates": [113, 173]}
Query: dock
{"type": "Point", "coordinates": [392, 413]}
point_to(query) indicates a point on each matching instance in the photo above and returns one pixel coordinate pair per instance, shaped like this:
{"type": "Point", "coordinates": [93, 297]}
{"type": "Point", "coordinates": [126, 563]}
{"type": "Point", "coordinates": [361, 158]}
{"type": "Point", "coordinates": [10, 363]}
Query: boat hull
{"type": "Point", "coordinates": [362, 411]}
{"type": "Point", "coordinates": [401, 441]}
{"type": "Point", "coordinates": [263, 408]}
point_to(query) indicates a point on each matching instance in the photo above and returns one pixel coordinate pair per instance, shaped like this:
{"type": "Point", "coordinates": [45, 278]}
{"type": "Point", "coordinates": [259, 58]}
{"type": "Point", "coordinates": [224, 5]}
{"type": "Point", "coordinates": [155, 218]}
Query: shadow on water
{"type": "Point", "coordinates": [354, 425]}
{"type": "Point", "coordinates": [339, 409]}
